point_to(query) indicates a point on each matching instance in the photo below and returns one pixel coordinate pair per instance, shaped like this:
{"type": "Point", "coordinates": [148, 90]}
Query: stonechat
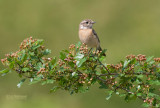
{"type": "Point", "coordinates": [88, 36]}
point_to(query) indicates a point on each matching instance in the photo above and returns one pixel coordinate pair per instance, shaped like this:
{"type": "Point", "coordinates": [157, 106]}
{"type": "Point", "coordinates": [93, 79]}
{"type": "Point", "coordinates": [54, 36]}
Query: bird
{"type": "Point", "coordinates": [88, 35]}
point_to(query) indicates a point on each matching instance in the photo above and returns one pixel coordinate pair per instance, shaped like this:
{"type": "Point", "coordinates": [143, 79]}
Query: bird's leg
{"type": "Point", "coordinates": [90, 51]}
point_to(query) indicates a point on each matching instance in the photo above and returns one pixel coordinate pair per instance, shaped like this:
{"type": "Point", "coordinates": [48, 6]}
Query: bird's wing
{"type": "Point", "coordinates": [95, 34]}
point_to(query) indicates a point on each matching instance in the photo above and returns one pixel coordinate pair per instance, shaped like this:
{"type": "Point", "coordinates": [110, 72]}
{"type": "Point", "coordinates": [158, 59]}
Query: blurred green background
{"type": "Point", "coordinates": [124, 27]}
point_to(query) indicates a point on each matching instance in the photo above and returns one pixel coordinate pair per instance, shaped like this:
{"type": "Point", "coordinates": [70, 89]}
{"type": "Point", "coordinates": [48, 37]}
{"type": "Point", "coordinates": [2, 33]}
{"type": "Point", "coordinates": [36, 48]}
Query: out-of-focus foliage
{"type": "Point", "coordinates": [78, 68]}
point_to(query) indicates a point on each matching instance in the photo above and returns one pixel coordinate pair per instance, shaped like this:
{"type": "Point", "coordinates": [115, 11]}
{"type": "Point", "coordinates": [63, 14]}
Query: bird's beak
{"type": "Point", "coordinates": [93, 22]}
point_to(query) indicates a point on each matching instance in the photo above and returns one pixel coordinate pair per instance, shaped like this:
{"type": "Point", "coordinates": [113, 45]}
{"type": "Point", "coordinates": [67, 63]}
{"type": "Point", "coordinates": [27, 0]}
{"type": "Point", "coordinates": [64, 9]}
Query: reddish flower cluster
{"type": "Point", "coordinates": [72, 46]}
{"type": "Point", "coordinates": [83, 49]}
{"type": "Point", "coordinates": [60, 62]}
{"type": "Point", "coordinates": [141, 57]}
{"type": "Point", "coordinates": [9, 55]}
{"type": "Point", "coordinates": [26, 42]}
{"type": "Point", "coordinates": [42, 70]}
{"type": "Point", "coordinates": [83, 78]}
{"type": "Point", "coordinates": [129, 57]}
{"type": "Point", "coordinates": [4, 60]}
{"type": "Point", "coordinates": [97, 52]}
{"type": "Point", "coordinates": [157, 59]}
{"type": "Point", "coordinates": [148, 100]}
{"type": "Point", "coordinates": [68, 59]}
{"type": "Point", "coordinates": [117, 66]}
{"type": "Point", "coordinates": [111, 81]}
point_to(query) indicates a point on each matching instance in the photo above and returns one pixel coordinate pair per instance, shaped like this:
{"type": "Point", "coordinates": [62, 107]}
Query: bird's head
{"type": "Point", "coordinates": [86, 24]}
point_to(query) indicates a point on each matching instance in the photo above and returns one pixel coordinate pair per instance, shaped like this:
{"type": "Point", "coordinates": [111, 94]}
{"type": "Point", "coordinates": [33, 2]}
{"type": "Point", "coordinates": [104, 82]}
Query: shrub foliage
{"type": "Point", "coordinates": [78, 68]}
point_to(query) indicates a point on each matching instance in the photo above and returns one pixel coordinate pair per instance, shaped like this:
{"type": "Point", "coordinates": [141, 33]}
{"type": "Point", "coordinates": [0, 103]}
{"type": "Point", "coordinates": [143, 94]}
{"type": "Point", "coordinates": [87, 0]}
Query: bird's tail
{"type": "Point", "coordinates": [100, 49]}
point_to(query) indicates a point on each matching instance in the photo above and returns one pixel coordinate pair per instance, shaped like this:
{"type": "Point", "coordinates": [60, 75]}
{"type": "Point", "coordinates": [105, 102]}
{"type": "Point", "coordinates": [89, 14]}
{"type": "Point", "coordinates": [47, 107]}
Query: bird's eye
{"type": "Point", "coordinates": [87, 22]}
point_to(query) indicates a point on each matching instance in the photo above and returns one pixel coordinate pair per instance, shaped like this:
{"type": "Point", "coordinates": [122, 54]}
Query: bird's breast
{"type": "Point", "coordinates": [86, 36]}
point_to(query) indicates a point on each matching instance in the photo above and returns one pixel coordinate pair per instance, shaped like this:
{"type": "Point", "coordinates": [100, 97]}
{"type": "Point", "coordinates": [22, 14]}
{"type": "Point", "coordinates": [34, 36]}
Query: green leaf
{"type": "Point", "coordinates": [4, 72]}
{"type": "Point", "coordinates": [25, 69]}
{"type": "Point", "coordinates": [78, 44]}
{"type": "Point", "coordinates": [62, 55]}
{"type": "Point", "coordinates": [20, 83]}
{"type": "Point", "coordinates": [11, 65]}
{"type": "Point", "coordinates": [139, 94]}
{"type": "Point", "coordinates": [156, 82]}
{"type": "Point", "coordinates": [82, 89]}
{"type": "Point", "coordinates": [79, 63]}
{"type": "Point", "coordinates": [66, 51]}
{"type": "Point", "coordinates": [46, 52]}
{"type": "Point", "coordinates": [145, 105]}
{"type": "Point", "coordinates": [149, 58]}
{"type": "Point", "coordinates": [52, 64]}
{"type": "Point", "coordinates": [54, 89]}
{"type": "Point", "coordinates": [102, 58]}
{"type": "Point", "coordinates": [79, 56]}
{"type": "Point", "coordinates": [122, 94]}
{"type": "Point", "coordinates": [126, 62]}
{"type": "Point", "coordinates": [35, 80]}
{"type": "Point", "coordinates": [98, 73]}
{"type": "Point", "coordinates": [53, 61]}
{"type": "Point", "coordinates": [37, 44]}
{"type": "Point", "coordinates": [140, 76]}
{"type": "Point", "coordinates": [31, 53]}
{"type": "Point", "coordinates": [151, 62]}
{"type": "Point", "coordinates": [109, 95]}
{"type": "Point", "coordinates": [103, 86]}
{"type": "Point", "coordinates": [23, 56]}
{"type": "Point", "coordinates": [74, 74]}
{"type": "Point", "coordinates": [103, 52]}
{"type": "Point", "coordinates": [48, 81]}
